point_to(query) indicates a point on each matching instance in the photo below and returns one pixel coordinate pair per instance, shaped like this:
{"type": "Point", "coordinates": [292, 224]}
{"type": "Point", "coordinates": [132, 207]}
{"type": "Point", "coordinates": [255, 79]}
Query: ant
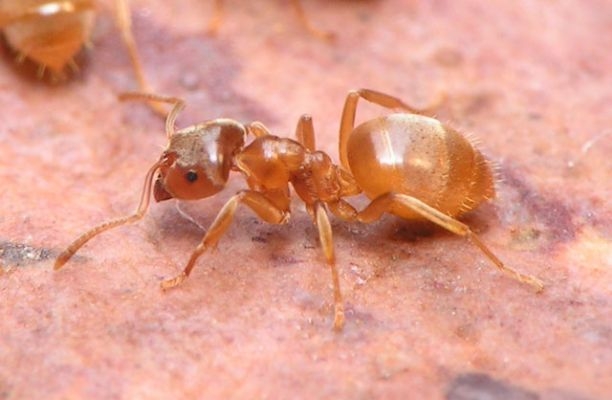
{"type": "Point", "coordinates": [51, 32]}
{"type": "Point", "coordinates": [215, 21]}
{"type": "Point", "coordinates": [408, 164]}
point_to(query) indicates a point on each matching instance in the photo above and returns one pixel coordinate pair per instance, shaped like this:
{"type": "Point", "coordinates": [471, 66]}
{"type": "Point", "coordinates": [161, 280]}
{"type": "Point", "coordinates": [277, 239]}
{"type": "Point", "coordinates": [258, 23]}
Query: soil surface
{"type": "Point", "coordinates": [427, 315]}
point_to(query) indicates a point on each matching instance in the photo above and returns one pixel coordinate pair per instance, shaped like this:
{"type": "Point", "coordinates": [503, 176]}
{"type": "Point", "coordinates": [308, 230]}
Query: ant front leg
{"type": "Point", "coordinates": [400, 204]}
{"type": "Point", "coordinates": [257, 201]}
{"type": "Point", "coordinates": [347, 121]}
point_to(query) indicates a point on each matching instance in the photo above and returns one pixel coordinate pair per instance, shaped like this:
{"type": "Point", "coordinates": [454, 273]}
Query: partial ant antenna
{"type": "Point", "coordinates": [140, 212]}
{"type": "Point", "coordinates": [586, 147]}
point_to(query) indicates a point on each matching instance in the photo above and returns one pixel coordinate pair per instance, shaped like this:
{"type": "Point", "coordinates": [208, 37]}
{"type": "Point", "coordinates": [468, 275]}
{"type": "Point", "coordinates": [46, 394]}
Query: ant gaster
{"type": "Point", "coordinates": [408, 164]}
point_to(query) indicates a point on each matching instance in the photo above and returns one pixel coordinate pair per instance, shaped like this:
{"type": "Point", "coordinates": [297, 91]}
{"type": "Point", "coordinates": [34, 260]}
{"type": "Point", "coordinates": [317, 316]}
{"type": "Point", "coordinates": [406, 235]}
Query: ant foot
{"type": "Point", "coordinates": [338, 318]}
{"type": "Point", "coordinates": [170, 283]}
{"type": "Point", "coordinates": [533, 281]}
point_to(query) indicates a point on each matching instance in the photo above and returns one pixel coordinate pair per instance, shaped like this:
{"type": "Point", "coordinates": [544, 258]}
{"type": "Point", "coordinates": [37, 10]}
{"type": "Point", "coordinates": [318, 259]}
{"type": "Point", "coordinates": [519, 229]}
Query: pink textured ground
{"type": "Point", "coordinates": [428, 317]}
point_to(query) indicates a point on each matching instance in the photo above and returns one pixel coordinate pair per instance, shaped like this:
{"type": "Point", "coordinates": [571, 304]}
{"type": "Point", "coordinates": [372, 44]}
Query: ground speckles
{"type": "Point", "coordinates": [542, 217]}
{"type": "Point", "coordinates": [18, 254]}
{"type": "Point", "coordinates": [478, 386]}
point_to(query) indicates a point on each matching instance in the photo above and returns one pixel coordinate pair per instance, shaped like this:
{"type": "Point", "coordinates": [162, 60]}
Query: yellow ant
{"type": "Point", "coordinates": [408, 164]}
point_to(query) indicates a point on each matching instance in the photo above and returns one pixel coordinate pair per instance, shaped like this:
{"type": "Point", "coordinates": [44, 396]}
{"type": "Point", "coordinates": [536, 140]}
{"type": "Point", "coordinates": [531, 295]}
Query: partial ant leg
{"type": "Point", "coordinates": [257, 201]}
{"type": "Point", "coordinates": [87, 236]}
{"type": "Point", "coordinates": [323, 35]}
{"type": "Point", "coordinates": [347, 121]}
{"type": "Point", "coordinates": [215, 21]}
{"type": "Point", "coordinates": [124, 23]}
{"type": "Point", "coordinates": [217, 18]}
{"type": "Point", "coordinates": [177, 105]}
{"type": "Point", "coordinates": [327, 243]}
{"type": "Point", "coordinates": [399, 204]}
{"type": "Point", "coordinates": [304, 132]}
{"type": "Point", "coordinates": [258, 129]}
{"type": "Point", "coordinates": [343, 209]}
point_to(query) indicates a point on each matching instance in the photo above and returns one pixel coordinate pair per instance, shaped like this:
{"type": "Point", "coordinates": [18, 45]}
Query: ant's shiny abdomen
{"type": "Point", "coordinates": [419, 156]}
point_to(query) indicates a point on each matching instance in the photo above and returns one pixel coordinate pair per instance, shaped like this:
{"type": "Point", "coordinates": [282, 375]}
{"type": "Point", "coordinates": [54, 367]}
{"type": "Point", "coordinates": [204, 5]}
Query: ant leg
{"type": "Point", "coordinates": [347, 121]}
{"type": "Point", "coordinates": [258, 129]}
{"type": "Point", "coordinates": [215, 21]}
{"type": "Point", "coordinates": [177, 105]}
{"type": "Point", "coordinates": [124, 23]}
{"type": "Point", "coordinates": [257, 201]}
{"type": "Point", "coordinates": [87, 236]}
{"type": "Point", "coordinates": [400, 204]}
{"type": "Point", "coordinates": [343, 210]}
{"type": "Point", "coordinates": [304, 132]}
{"type": "Point", "coordinates": [321, 34]}
{"type": "Point", "coordinates": [327, 243]}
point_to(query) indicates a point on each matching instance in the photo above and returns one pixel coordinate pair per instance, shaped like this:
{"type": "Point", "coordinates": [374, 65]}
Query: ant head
{"type": "Point", "coordinates": [198, 160]}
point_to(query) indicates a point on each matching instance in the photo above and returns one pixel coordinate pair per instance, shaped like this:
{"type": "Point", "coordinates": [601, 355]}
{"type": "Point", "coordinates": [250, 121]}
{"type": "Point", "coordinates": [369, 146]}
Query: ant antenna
{"type": "Point", "coordinates": [145, 198]}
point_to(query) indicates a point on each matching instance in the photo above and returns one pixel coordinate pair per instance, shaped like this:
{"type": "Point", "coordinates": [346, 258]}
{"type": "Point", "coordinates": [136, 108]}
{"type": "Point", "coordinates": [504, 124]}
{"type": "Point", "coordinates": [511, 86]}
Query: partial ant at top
{"type": "Point", "coordinates": [408, 164]}
{"type": "Point", "coordinates": [215, 21]}
{"type": "Point", "coordinates": [52, 32]}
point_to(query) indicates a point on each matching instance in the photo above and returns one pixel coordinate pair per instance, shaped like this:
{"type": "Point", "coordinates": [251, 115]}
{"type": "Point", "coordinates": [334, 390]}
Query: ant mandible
{"type": "Point", "coordinates": [52, 32]}
{"type": "Point", "coordinates": [403, 162]}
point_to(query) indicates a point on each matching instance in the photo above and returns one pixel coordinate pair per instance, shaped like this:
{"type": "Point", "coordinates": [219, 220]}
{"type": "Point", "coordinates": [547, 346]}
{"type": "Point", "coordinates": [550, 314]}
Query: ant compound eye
{"type": "Point", "coordinates": [191, 176]}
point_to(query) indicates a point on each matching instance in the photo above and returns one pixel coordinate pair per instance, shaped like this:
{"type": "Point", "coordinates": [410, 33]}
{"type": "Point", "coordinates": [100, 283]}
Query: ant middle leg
{"type": "Point", "coordinates": [400, 204]}
{"type": "Point", "coordinates": [257, 201]}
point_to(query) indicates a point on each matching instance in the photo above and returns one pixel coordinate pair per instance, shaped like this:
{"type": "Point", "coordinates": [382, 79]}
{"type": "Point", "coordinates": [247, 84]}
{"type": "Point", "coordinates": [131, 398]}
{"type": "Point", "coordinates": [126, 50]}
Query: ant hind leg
{"type": "Point", "coordinates": [347, 120]}
{"type": "Point", "coordinates": [401, 204]}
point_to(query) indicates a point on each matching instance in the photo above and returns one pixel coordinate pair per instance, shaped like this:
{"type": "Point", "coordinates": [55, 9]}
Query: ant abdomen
{"type": "Point", "coordinates": [47, 32]}
{"type": "Point", "coordinates": [420, 157]}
